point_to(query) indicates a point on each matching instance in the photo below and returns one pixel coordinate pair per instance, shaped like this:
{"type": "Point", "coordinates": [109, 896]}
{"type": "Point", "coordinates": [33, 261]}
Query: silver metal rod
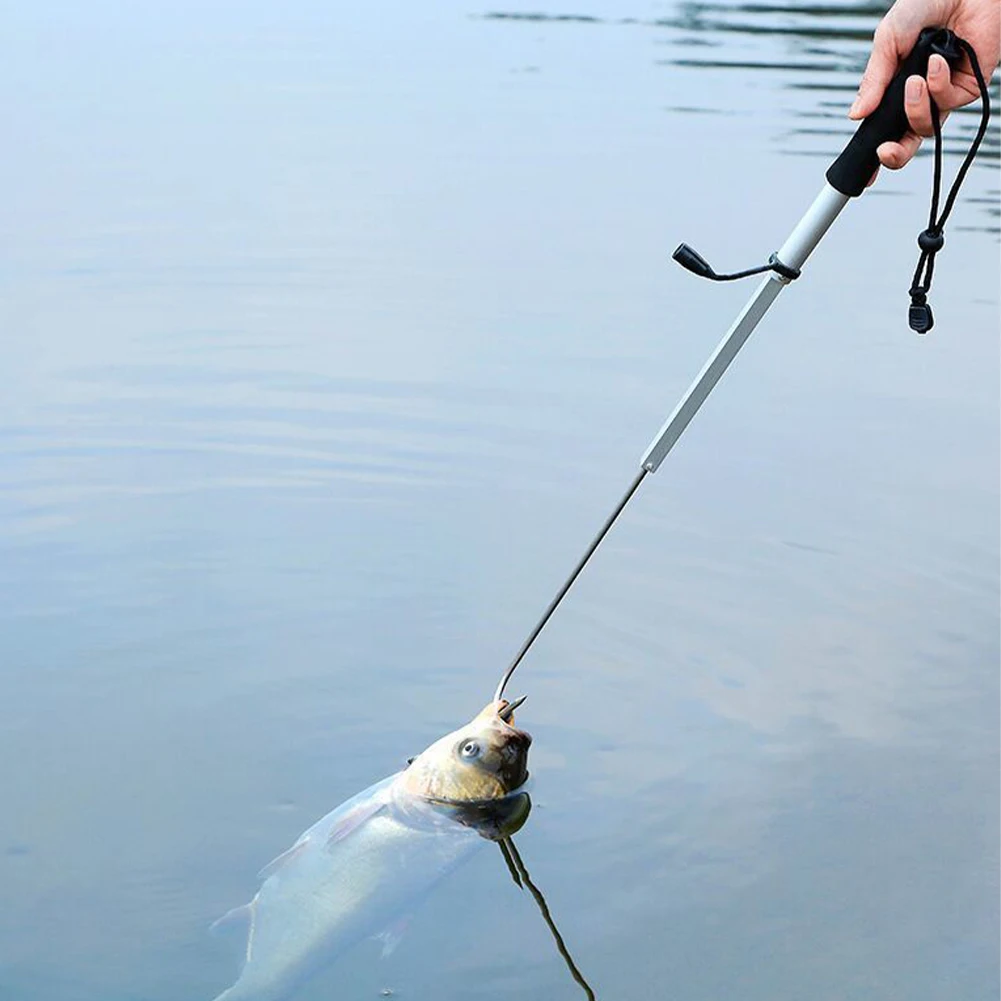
{"type": "Point", "coordinates": [803, 239]}
{"type": "Point", "coordinates": [810, 230]}
{"type": "Point", "coordinates": [568, 583]}
{"type": "Point", "coordinates": [712, 372]}
{"type": "Point", "coordinates": [801, 243]}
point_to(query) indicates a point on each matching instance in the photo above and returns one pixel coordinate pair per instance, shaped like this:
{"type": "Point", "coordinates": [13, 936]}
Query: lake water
{"type": "Point", "coordinates": [330, 335]}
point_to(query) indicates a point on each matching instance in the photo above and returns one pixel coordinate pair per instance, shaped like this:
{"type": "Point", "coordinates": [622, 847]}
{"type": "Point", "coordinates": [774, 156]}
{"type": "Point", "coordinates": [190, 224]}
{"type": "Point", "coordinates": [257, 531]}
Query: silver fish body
{"type": "Point", "coordinates": [329, 892]}
{"type": "Point", "coordinates": [365, 865]}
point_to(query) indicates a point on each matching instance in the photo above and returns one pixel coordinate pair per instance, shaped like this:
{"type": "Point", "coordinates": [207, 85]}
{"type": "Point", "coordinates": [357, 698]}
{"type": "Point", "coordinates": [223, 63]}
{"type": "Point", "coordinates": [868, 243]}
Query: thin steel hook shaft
{"type": "Point", "coordinates": [568, 583]}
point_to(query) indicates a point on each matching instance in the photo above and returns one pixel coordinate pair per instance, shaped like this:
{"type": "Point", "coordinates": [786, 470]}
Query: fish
{"type": "Point", "coordinates": [362, 869]}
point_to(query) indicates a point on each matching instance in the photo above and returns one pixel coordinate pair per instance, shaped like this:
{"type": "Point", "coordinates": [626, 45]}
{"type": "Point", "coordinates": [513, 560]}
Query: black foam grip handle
{"type": "Point", "coordinates": [851, 172]}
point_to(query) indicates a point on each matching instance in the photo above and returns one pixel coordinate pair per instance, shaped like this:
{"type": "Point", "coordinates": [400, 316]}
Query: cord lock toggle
{"type": "Point", "coordinates": [930, 241]}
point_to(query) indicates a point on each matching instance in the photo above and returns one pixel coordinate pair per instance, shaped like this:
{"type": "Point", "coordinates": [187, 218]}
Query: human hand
{"type": "Point", "coordinates": [978, 21]}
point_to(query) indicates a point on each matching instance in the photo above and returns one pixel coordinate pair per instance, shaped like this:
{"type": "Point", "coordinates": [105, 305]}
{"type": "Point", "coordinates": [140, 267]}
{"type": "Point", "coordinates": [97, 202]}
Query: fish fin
{"type": "Point", "coordinates": [252, 931]}
{"type": "Point", "coordinates": [280, 861]}
{"type": "Point", "coordinates": [353, 819]}
{"type": "Point", "coordinates": [246, 915]}
{"type": "Point", "coordinates": [238, 916]}
{"type": "Point", "coordinates": [345, 819]}
{"type": "Point", "coordinates": [390, 937]}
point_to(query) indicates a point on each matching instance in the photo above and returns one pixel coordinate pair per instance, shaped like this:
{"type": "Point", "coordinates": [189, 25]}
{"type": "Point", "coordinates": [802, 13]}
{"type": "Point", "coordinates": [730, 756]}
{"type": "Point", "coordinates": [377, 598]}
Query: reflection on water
{"type": "Point", "coordinates": [519, 873]}
{"type": "Point", "coordinates": [826, 43]}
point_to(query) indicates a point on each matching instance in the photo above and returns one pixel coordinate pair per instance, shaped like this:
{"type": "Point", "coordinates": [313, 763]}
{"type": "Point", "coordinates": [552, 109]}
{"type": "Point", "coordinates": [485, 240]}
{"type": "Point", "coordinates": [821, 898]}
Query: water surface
{"type": "Point", "coordinates": [330, 336]}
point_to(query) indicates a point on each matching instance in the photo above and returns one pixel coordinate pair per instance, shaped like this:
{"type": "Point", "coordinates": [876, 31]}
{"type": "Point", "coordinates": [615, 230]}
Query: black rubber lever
{"type": "Point", "coordinates": [851, 172]}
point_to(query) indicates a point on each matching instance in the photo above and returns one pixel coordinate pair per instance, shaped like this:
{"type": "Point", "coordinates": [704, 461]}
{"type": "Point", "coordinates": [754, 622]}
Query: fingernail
{"type": "Point", "coordinates": [912, 90]}
{"type": "Point", "coordinates": [934, 67]}
{"type": "Point", "coordinates": [854, 108]}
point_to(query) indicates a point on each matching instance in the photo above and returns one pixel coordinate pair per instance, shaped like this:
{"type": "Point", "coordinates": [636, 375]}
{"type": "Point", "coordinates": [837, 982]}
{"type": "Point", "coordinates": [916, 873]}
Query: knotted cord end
{"type": "Point", "coordinates": [920, 316]}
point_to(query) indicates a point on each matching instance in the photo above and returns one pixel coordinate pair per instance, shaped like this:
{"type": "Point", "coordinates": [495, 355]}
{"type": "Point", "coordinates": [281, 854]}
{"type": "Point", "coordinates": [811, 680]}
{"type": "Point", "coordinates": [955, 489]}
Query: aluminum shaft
{"type": "Point", "coordinates": [793, 253]}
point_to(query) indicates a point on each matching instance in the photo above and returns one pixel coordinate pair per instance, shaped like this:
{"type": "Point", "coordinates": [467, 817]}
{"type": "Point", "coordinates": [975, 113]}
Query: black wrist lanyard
{"type": "Point", "coordinates": [932, 239]}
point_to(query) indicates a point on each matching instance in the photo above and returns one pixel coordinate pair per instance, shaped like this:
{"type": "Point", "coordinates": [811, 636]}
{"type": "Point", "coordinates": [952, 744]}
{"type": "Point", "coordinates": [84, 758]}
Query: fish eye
{"type": "Point", "coordinates": [469, 750]}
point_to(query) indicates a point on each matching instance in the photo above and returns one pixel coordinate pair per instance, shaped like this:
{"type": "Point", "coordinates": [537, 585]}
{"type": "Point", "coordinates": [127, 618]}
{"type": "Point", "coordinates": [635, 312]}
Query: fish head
{"type": "Point", "coordinates": [487, 759]}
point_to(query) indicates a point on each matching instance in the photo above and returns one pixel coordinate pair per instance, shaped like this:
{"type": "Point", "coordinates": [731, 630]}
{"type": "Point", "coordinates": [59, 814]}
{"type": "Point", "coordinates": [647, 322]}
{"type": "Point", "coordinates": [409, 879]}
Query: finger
{"type": "Point", "coordinates": [950, 90]}
{"type": "Point", "coordinates": [964, 89]}
{"type": "Point", "coordinates": [878, 73]}
{"type": "Point", "coordinates": [917, 107]}
{"type": "Point", "coordinates": [940, 84]}
{"type": "Point", "coordinates": [895, 155]}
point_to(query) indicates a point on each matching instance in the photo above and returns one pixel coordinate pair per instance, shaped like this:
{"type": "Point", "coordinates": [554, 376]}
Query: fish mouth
{"type": "Point", "coordinates": [503, 712]}
{"type": "Point", "coordinates": [513, 773]}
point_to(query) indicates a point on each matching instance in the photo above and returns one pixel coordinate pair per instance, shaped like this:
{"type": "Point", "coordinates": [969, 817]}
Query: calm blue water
{"type": "Point", "coordinates": [330, 334]}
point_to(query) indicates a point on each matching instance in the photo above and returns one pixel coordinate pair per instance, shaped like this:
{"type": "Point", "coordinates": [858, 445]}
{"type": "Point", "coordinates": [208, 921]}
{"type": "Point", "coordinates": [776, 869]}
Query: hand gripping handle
{"type": "Point", "coordinates": [851, 172]}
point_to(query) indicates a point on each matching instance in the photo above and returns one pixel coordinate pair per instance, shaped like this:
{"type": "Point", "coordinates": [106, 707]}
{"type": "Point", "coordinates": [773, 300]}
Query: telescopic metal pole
{"type": "Point", "coordinates": [847, 178]}
{"type": "Point", "coordinates": [793, 254]}
{"type": "Point", "coordinates": [803, 239]}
